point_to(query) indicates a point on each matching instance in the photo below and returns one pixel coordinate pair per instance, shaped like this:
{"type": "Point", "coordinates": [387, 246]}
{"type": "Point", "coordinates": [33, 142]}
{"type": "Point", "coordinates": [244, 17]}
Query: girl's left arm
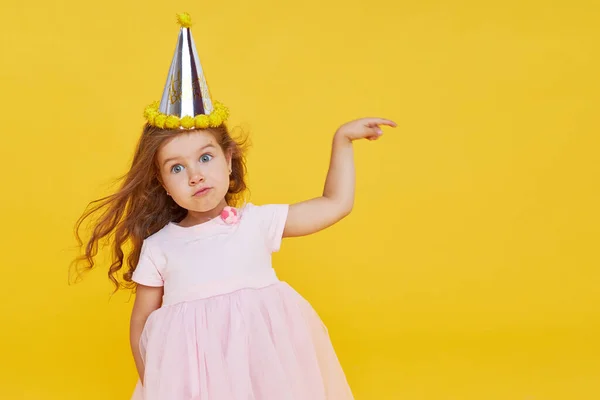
{"type": "Point", "coordinates": [313, 215]}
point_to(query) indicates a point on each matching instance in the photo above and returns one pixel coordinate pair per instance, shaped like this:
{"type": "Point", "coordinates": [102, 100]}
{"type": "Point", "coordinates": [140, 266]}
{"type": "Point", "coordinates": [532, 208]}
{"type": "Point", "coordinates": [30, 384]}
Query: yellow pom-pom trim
{"type": "Point", "coordinates": [151, 109]}
{"type": "Point", "coordinates": [221, 111]}
{"type": "Point", "coordinates": [201, 121]}
{"type": "Point", "coordinates": [185, 20]}
{"type": "Point", "coordinates": [160, 120]}
{"type": "Point", "coordinates": [187, 122]}
{"type": "Point", "coordinates": [172, 122]}
{"type": "Point", "coordinates": [151, 116]}
{"type": "Point", "coordinates": [216, 118]}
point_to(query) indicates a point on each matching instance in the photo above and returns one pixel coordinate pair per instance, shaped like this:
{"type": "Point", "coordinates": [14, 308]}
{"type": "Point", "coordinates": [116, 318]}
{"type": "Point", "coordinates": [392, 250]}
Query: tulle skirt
{"type": "Point", "coordinates": [251, 344]}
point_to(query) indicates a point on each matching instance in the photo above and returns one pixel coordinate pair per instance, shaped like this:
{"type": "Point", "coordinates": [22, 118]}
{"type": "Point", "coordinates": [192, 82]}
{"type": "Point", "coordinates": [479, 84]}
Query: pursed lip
{"type": "Point", "coordinates": [202, 191]}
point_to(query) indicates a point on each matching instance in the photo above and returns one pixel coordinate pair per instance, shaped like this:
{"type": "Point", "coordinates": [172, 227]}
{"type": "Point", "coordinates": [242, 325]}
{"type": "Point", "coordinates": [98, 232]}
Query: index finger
{"type": "Point", "coordinates": [380, 121]}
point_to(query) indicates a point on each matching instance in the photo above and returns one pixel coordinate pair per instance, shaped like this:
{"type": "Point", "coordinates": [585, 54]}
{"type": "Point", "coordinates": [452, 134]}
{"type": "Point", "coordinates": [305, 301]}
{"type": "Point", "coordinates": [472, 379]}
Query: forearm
{"type": "Point", "coordinates": [135, 333]}
{"type": "Point", "coordinates": [340, 181]}
{"type": "Point", "coordinates": [312, 215]}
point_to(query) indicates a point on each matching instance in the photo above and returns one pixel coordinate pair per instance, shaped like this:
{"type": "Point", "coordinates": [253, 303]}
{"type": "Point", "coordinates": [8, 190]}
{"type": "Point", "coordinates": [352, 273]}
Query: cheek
{"type": "Point", "coordinates": [220, 169]}
{"type": "Point", "coordinates": [172, 181]}
{"type": "Point", "coordinates": [220, 175]}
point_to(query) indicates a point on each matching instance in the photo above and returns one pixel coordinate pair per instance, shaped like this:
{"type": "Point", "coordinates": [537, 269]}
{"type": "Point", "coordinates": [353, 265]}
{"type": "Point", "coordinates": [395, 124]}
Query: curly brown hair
{"type": "Point", "coordinates": [141, 206]}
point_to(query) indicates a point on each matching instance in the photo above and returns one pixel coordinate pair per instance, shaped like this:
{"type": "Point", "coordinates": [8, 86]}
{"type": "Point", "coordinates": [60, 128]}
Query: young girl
{"type": "Point", "coordinates": [211, 320]}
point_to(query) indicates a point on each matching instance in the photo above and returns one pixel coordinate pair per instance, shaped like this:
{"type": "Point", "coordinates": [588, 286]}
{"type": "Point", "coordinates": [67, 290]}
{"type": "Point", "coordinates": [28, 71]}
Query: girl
{"type": "Point", "coordinates": [211, 321]}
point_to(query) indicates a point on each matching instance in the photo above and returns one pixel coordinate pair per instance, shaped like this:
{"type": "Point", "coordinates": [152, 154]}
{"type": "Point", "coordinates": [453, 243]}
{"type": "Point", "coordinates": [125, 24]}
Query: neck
{"type": "Point", "coordinates": [198, 217]}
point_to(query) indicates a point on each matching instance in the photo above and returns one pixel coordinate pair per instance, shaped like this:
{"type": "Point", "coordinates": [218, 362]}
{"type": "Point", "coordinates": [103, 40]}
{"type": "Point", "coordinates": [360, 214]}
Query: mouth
{"type": "Point", "coordinates": [202, 192]}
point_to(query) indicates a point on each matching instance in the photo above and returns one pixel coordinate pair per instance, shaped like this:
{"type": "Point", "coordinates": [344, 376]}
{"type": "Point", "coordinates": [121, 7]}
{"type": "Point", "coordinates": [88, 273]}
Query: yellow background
{"type": "Point", "coordinates": [469, 267]}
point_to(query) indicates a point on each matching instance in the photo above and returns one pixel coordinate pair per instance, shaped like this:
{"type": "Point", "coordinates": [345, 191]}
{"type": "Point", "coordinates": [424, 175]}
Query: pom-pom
{"type": "Point", "coordinates": [221, 115]}
{"type": "Point", "coordinates": [172, 122]}
{"type": "Point", "coordinates": [159, 120]}
{"type": "Point", "coordinates": [152, 108]}
{"type": "Point", "coordinates": [185, 20]}
{"type": "Point", "coordinates": [214, 120]}
{"type": "Point", "coordinates": [152, 114]}
{"type": "Point", "coordinates": [187, 122]}
{"type": "Point", "coordinates": [221, 111]}
{"type": "Point", "coordinates": [230, 215]}
{"type": "Point", "coordinates": [201, 121]}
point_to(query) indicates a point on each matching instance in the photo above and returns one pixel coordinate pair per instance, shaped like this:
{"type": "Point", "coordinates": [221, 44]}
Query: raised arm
{"type": "Point", "coordinates": [313, 215]}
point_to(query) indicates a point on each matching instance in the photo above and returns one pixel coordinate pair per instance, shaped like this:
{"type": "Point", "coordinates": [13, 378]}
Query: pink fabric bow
{"type": "Point", "coordinates": [230, 215]}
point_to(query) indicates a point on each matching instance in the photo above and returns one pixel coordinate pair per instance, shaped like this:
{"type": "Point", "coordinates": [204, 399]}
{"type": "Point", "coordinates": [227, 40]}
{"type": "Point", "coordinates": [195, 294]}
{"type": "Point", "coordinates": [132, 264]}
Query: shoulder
{"type": "Point", "coordinates": [155, 241]}
{"type": "Point", "coordinates": [263, 212]}
{"type": "Point", "coordinates": [158, 235]}
{"type": "Point", "coordinates": [262, 208]}
{"type": "Point", "coordinates": [270, 221]}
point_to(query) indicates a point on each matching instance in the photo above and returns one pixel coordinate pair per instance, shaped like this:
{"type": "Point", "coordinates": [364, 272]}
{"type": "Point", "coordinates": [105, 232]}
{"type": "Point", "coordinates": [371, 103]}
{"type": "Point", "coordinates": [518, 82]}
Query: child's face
{"type": "Point", "coordinates": [194, 170]}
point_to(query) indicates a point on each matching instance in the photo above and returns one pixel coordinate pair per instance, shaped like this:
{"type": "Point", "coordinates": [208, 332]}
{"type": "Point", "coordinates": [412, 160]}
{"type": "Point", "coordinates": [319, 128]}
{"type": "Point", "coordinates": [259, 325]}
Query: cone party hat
{"type": "Point", "coordinates": [186, 102]}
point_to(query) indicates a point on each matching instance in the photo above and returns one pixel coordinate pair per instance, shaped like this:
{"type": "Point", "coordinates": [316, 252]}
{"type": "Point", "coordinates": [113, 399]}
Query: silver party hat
{"type": "Point", "coordinates": [186, 100]}
{"type": "Point", "coordinates": [186, 91]}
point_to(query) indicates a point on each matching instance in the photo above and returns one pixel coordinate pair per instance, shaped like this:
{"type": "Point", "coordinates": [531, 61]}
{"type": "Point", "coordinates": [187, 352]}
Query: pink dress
{"type": "Point", "coordinates": [228, 328]}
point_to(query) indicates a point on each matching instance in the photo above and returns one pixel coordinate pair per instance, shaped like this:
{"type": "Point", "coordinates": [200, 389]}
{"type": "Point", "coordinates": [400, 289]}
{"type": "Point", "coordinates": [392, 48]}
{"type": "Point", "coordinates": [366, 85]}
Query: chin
{"type": "Point", "coordinates": [204, 205]}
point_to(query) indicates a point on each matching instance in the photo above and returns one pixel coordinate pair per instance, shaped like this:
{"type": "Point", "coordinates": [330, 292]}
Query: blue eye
{"type": "Point", "coordinates": [205, 158]}
{"type": "Point", "coordinates": [177, 168]}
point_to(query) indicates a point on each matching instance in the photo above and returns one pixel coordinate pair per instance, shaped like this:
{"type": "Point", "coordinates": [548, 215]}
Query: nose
{"type": "Point", "coordinates": [196, 177]}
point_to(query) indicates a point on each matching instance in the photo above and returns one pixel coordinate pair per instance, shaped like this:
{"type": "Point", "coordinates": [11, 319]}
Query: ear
{"type": "Point", "coordinates": [229, 156]}
{"type": "Point", "coordinates": [159, 179]}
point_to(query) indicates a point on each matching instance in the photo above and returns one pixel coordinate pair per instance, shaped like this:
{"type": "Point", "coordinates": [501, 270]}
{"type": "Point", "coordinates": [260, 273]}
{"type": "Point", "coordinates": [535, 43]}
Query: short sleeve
{"type": "Point", "coordinates": [147, 272]}
{"type": "Point", "coordinates": [272, 218]}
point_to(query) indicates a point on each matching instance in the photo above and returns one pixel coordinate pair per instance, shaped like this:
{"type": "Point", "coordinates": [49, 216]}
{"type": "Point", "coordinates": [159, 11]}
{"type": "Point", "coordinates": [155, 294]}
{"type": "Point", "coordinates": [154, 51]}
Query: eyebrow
{"type": "Point", "coordinates": [199, 150]}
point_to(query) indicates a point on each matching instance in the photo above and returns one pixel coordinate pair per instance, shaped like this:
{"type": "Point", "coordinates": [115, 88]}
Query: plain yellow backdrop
{"type": "Point", "coordinates": [469, 267]}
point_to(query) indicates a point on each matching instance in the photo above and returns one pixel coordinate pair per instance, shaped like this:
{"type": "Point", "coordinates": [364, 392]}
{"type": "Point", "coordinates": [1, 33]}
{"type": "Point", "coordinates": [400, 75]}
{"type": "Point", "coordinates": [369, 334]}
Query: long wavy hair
{"type": "Point", "coordinates": [141, 207]}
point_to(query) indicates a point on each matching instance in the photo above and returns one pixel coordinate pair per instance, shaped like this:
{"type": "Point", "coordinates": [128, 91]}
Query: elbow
{"type": "Point", "coordinates": [345, 210]}
{"type": "Point", "coordinates": [340, 208]}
